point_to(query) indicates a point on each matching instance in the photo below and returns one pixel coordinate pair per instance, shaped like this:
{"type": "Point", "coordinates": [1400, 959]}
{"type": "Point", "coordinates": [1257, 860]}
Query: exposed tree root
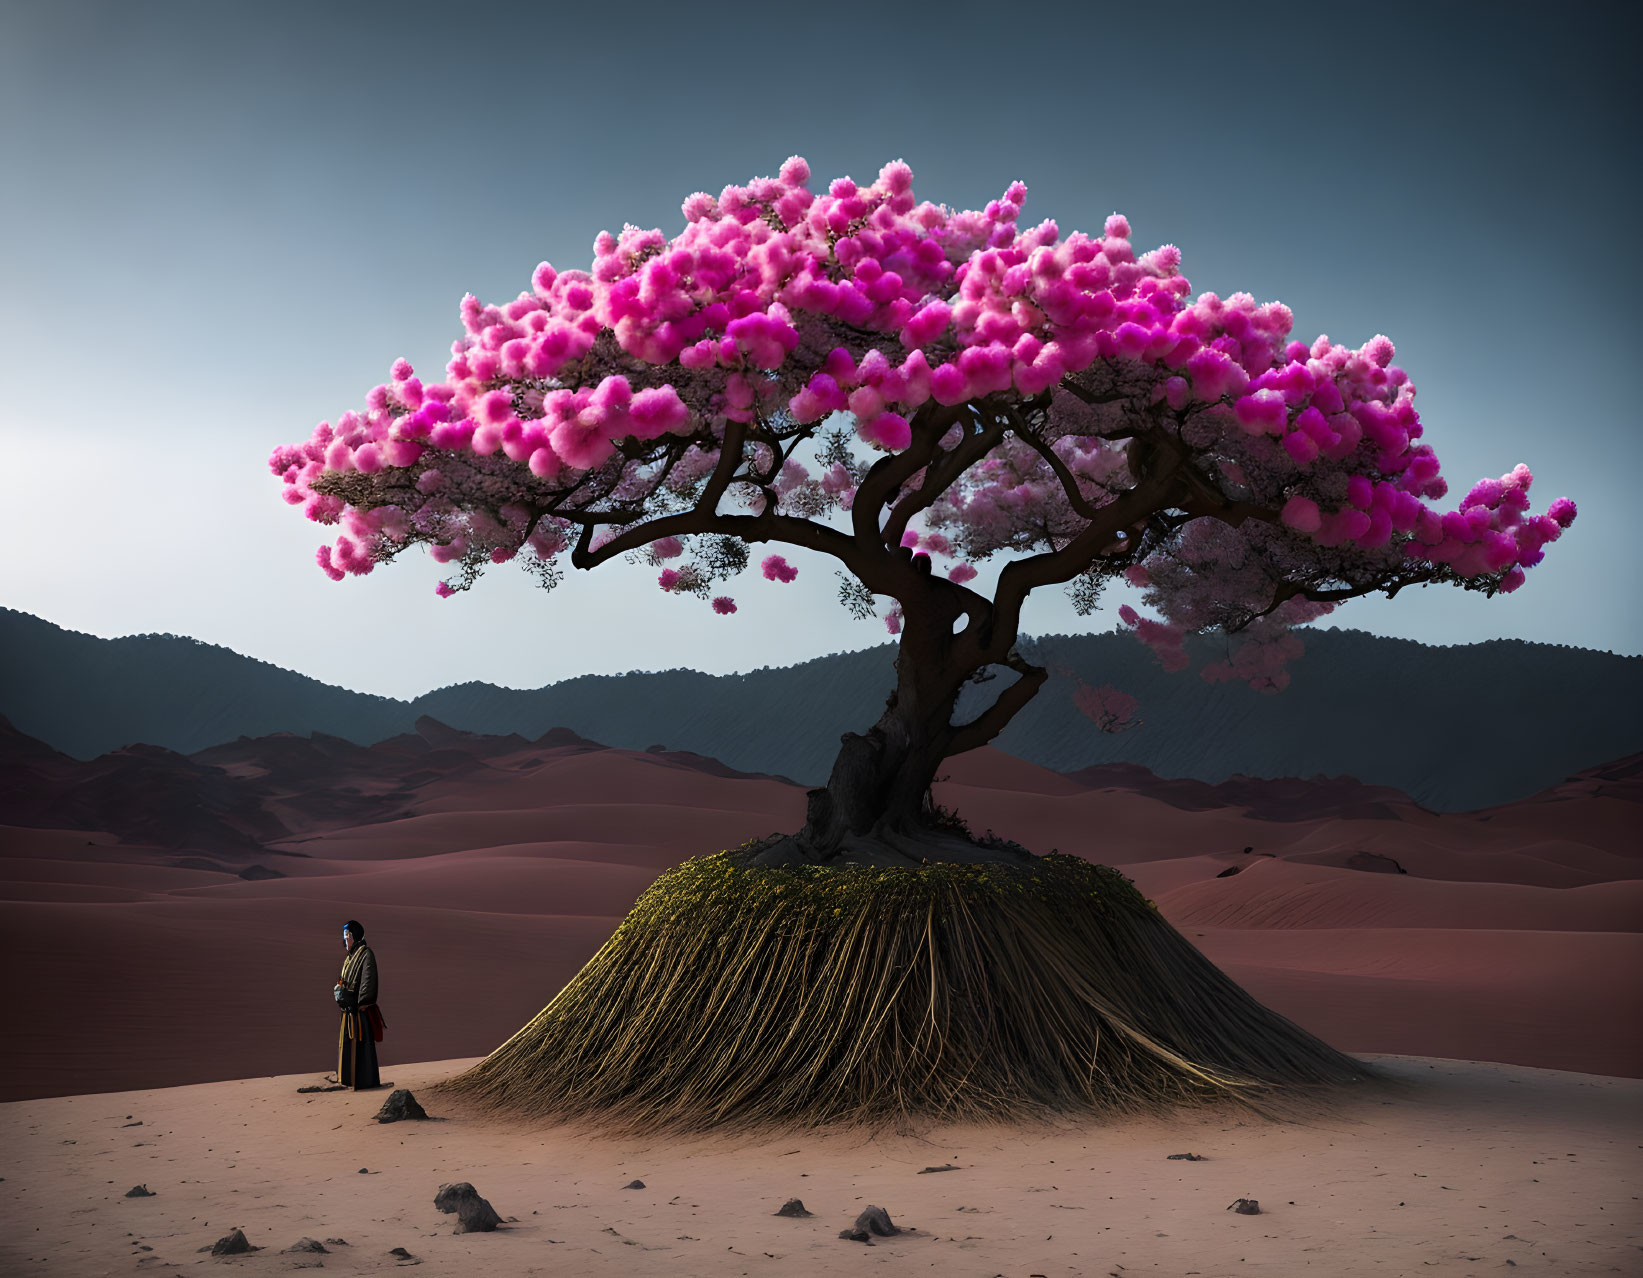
{"type": "Point", "coordinates": [739, 996]}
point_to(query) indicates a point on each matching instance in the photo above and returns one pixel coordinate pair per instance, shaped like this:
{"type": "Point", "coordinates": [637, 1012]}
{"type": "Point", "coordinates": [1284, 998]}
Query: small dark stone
{"type": "Point", "coordinates": [233, 1244]}
{"type": "Point", "coordinates": [1245, 1207]}
{"type": "Point", "coordinates": [401, 1106]}
{"type": "Point", "coordinates": [308, 1244]}
{"type": "Point", "coordinates": [873, 1220]}
{"type": "Point", "coordinates": [943, 1167]}
{"type": "Point", "coordinates": [400, 1252]}
{"type": "Point", "coordinates": [336, 1242]}
{"type": "Point", "coordinates": [139, 1191]}
{"type": "Point", "coordinates": [474, 1215]}
{"type": "Point", "coordinates": [793, 1207]}
{"type": "Point", "coordinates": [364, 1171]}
{"type": "Point", "coordinates": [634, 1184]}
{"type": "Point", "coordinates": [1191, 1158]}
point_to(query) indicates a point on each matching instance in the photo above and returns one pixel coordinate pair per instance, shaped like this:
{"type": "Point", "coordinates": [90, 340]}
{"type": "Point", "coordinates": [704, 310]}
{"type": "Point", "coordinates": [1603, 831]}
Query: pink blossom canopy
{"type": "Point", "coordinates": [995, 388]}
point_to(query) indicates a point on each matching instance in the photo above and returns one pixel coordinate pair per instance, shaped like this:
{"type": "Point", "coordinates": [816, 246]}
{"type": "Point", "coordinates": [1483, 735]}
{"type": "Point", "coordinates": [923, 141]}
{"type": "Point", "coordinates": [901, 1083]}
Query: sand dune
{"type": "Point", "coordinates": [1575, 996]}
{"type": "Point", "coordinates": [1273, 893]}
{"type": "Point", "coordinates": [487, 870]}
{"type": "Point", "coordinates": [525, 882]}
{"type": "Point", "coordinates": [454, 830]}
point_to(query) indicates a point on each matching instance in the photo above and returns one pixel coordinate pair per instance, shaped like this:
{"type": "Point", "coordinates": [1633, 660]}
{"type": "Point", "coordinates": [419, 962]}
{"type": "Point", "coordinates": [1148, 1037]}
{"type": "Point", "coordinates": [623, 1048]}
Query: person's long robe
{"type": "Point", "coordinates": [361, 1022]}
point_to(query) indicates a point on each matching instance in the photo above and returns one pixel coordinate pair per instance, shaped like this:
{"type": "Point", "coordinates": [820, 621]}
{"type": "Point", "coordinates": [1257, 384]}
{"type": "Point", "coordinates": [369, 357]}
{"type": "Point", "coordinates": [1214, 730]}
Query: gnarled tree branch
{"type": "Point", "coordinates": [987, 725]}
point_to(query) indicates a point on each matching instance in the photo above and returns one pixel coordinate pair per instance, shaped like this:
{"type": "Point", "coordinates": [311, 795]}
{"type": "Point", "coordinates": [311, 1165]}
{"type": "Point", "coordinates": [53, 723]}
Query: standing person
{"type": "Point", "coordinates": [362, 1023]}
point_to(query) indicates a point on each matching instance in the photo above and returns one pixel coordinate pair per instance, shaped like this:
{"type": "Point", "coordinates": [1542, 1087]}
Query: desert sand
{"type": "Point", "coordinates": [492, 869]}
{"type": "Point", "coordinates": [166, 1003]}
{"type": "Point", "coordinates": [1476, 1170]}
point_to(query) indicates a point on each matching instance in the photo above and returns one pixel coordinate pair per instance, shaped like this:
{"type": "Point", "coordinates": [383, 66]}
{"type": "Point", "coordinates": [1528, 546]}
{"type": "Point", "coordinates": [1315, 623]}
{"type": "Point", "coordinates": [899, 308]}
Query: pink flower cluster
{"type": "Point", "coordinates": [978, 306]}
{"type": "Point", "coordinates": [1164, 639]}
{"type": "Point", "coordinates": [777, 305]}
{"type": "Point", "coordinates": [775, 568]}
{"type": "Point", "coordinates": [1262, 654]}
{"type": "Point", "coordinates": [936, 544]}
{"type": "Point", "coordinates": [1492, 532]}
{"type": "Point", "coordinates": [1220, 576]}
{"type": "Point", "coordinates": [1110, 709]}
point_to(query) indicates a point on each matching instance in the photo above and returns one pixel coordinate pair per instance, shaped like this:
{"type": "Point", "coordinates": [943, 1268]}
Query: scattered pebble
{"type": "Point", "coordinates": [139, 1191]}
{"type": "Point", "coordinates": [1245, 1207]}
{"type": "Point", "coordinates": [793, 1207]}
{"type": "Point", "coordinates": [634, 1184]}
{"type": "Point", "coordinates": [308, 1244]}
{"type": "Point", "coordinates": [401, 1106]}
{"type": "Point", "coordinates": [943, 1167]}
{"type": "Point", "coordinates": [474, 1215]}
{"type": "Point", "coordinates": [873, 1220]}
{"type": "Point", "coordinates": [1191, 1158]}
{"type": "Point", "coordinates": [233, 1244]}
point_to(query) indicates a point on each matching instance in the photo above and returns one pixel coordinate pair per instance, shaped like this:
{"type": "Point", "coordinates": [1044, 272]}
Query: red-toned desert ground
{"type": "Point", "coordinates": [1476, 1170]}
{"type": "Point", "coordinates": [183, 926]}
{"type": "Point", "coordinates": [487, 870]}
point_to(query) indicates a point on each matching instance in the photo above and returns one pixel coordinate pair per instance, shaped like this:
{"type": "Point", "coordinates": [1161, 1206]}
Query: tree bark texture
{"type": "Point", "coordinates": [875, 807]}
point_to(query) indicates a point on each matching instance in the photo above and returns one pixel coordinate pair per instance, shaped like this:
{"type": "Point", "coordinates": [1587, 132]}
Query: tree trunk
{"type": "Point", "coordinates": [875, 807]}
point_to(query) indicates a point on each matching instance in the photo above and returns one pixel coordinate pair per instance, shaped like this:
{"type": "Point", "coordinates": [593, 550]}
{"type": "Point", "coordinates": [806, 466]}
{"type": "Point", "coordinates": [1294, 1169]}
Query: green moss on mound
{"type": "Point", "coordinates": [733, 996]}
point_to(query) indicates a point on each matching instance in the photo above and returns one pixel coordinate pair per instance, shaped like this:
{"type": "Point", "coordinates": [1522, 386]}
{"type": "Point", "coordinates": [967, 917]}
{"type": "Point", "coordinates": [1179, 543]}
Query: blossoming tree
{"type": "Point", "coordinates": [911, 390]}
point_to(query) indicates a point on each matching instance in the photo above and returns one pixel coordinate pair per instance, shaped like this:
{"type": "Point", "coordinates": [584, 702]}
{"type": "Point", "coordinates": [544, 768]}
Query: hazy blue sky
{"type": "Point", "coordinates": [223, 221]}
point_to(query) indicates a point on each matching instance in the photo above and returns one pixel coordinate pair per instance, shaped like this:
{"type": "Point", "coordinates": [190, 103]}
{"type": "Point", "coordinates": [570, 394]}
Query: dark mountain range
{"type": "Point", "coordinates": [228, 801]}
{"type": "Point", "coordinates": [1453, 728]}
{"type": "Point", "coordinates": [225, 805]}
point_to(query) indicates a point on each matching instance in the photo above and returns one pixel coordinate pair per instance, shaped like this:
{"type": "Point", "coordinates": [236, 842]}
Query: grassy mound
{"type": "Point", "coordinates": [734, 996]}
